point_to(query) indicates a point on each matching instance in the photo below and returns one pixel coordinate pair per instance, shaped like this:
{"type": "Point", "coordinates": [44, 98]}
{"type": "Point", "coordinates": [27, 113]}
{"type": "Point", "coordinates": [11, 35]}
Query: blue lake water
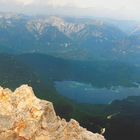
{"type": "Point", "coordinates": [86, 93]}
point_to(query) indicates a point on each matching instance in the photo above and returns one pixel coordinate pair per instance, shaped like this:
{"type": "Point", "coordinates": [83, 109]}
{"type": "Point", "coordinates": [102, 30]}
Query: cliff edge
{"type": "Point", "coordinates": [25, 117]}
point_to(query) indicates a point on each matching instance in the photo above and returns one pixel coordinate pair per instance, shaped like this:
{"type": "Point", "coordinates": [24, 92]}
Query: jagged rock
{"type": "Point", "coordinates": [25, 117]}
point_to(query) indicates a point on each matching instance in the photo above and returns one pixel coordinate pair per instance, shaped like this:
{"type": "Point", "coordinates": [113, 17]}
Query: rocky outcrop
{"type": "Point", "coordinates": [25, 117]}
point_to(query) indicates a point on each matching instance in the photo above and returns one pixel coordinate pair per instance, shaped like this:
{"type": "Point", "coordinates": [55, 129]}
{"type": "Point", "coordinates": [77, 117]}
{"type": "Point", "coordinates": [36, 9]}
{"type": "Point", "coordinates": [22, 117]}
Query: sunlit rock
{"type": "Point", "coordinates": [25, 117]}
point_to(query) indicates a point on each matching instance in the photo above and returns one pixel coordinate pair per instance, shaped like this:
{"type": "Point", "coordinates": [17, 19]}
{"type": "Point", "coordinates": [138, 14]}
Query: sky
{"type": "Point", "coordinates": [119, 9]}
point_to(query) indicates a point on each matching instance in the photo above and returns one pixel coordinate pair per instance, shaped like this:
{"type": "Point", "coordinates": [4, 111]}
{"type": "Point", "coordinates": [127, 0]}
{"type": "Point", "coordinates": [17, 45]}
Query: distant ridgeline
{"type": "Point", "coordinates": [71, 38]}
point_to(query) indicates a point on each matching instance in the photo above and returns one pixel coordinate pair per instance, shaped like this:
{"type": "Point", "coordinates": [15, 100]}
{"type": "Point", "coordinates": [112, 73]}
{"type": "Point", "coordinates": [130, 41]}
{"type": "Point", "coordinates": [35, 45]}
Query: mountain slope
{"type": "Point", "coordinates": [100, 73]}
{"type": "Point", "coordinates": [84, 40]}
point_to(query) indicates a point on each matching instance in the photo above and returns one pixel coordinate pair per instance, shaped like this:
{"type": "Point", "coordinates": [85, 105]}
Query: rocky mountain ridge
{"type": "Point", "coordinates": [25, 117]}
{"type": "Point", "coordinates": [39, 25]}
{"type": "Point", "coordinates": [69, 38]}
{"type": "Point", "coordinates": [57, 36]}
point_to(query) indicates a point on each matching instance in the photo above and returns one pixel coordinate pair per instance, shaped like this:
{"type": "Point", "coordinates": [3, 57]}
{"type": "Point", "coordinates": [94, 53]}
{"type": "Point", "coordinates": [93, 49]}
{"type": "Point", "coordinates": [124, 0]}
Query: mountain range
{"type": "Point", "coordinates": [69, 38]}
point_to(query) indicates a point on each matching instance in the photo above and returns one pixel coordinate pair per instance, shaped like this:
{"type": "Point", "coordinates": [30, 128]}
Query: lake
{"type": "Point", "coordinates": [86, 93]}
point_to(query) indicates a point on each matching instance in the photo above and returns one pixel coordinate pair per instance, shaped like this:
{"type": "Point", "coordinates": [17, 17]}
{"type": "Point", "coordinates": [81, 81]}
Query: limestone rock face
{"type": "Point", "coordinates": [25, 117]}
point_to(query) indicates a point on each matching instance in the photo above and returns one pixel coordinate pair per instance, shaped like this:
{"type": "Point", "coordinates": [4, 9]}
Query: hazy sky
{"type": "Point", "coordinates": [106, 8]}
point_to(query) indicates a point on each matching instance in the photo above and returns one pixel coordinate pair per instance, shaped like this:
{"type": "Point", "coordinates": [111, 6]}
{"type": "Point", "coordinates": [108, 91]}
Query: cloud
{"type": "Point", "coordinates": [110, 8]}
{"type": "Point", "coordinates": [24, 2]}
{"type": "Point", "coordinates": [16, 2]}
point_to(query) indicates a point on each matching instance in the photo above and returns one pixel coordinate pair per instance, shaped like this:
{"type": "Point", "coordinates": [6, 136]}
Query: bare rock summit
{"type": "Point", "coordinates": [25, 117]}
